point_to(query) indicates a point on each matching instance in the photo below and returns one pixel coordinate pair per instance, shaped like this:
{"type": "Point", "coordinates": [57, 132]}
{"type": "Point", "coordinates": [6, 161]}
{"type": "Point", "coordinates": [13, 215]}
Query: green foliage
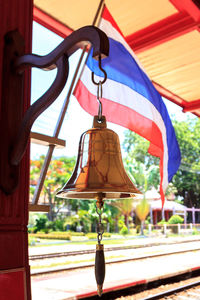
{"type": "Point", "coordinates": [91, 236]}
{"type": "Point", "coordinates": [186, 181]}
{"type": "Point", "coordinates": [59, 224]}
{"type": "Point", "coordinates": [195, 231]}
{"type": "Point", "coordinates": [147, 222]}
{"type": "Point", "coordinates": [58, 173]}
{"type": "Point", "coordinates": [41, 222]}
{"type": "Point", "coordinates": [43, 225]}
{"type": "Point", "coordinates": [124, 230]}
{"type": "Point", "coordinates": [121, 222]}
{"type": "Point", "coordinates": [125, 207]}
{"type": "Point", "coordinates": [137, 149]}
{"type": "Point", "coordinates": [73, 233]}
{"type": "Point", "coordinates": [142, 209]}
{"type": "Point", "coordinates": [142, 167]}
{"type": "Point", "coordinates": [31, 241]}
{"type": "Point", "coordinates": [52, 235]}
{"type": "Point", "coordinates": [175, 219]}
{"type": "Point", "coordinates": [163, 222]}
{"type": "Point", "coordinates": [84, 220]}
{"type": "Point", "coordinates": [32, 229]}
{"type": "Point", "coordinates": [138, 229]}
{"type": "Point", "coordinates": [142, 176]}
{"type": "Point", "coordinates": [187, 178]}
{"type": "Point", "coordinates": [107, 234]}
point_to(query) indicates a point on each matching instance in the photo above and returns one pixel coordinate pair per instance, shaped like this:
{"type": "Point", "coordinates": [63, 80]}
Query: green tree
{"type": "Point", "coordinates": [142, 211]}
{"type": "Point", "coordinates": [41, 222]}
{"type": "Point", "coordinates": [58, 173]}
{"type": "Point", "coordinates": [187, 178]}
{"type": "Point", "coordinates": [143, 177]}
{"type": "Point", "coordinates": [136, 148]}
{"type": "Point", "coordinates": [125, 207]}
{"type": "Point", "coordinates": [142, 167]}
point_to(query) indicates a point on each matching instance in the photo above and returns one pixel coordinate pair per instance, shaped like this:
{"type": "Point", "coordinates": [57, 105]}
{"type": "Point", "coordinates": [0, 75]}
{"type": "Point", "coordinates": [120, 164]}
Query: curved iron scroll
{"type": "Point", "coordinates": [58, 57]}
{"type": "Point", "coordinates": [33, 112]}
{"type": "Point", "coordinates": [92, 34]}
{"type": "Point", "coordinates": [15, 135]}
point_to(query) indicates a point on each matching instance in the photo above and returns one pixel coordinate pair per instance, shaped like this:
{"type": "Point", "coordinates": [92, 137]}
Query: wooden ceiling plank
{"type": "Point", "coordinates": [177, 24]}
{"type": "Point", "coordinates": [178, 100]}
{"type": "Point", "coordinates": [169, 95]}
{"type": "Point", "coordinates": [162, 31]}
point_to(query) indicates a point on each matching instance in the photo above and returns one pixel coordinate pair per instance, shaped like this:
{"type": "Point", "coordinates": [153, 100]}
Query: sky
{"type": "Point", "coordinates": [76, 119]}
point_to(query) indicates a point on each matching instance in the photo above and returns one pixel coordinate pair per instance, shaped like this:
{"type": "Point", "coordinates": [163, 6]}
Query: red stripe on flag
{"type": "Point", "coordinates": [108, 17]}
{"type": "Point", "coordinates": [121, 115]}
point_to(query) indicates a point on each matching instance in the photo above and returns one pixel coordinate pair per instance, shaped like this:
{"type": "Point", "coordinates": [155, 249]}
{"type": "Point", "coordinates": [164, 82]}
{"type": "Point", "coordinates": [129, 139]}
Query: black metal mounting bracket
{"type": "Point", "coordinates": [14, 127]}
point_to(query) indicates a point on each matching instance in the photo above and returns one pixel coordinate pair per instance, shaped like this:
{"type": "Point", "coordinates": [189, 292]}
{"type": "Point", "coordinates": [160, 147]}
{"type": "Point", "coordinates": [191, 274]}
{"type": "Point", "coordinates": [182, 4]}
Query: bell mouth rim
{"type": "Point", "coordinates": [92, 195]}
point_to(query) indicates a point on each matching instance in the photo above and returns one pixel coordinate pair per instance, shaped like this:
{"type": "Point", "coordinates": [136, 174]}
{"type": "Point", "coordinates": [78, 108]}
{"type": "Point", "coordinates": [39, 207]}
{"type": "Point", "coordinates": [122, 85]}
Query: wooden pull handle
{"type": "Point", "coordinates": [99, 268]}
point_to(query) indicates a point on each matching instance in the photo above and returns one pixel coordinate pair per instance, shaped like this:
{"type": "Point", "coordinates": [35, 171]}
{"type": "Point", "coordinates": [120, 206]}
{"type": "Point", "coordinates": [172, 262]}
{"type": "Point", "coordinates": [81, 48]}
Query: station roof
{"type": "Point", "coordinates": [163, 33]}
{"type": "Point", "coordinates": [169, 205]}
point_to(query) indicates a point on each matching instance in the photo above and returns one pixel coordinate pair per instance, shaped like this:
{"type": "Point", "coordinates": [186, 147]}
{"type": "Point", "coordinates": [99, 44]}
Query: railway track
{"type": "Point", "coordinates": [182, 292]}
{"type": "Point", "coordinates": [111, 261]}
{"type": "Point", "coordinates": [91, 251]}
{"type": "Point", "coordinates": [180, 289]}
{"type": "Point", "coordinates": [140, 284]}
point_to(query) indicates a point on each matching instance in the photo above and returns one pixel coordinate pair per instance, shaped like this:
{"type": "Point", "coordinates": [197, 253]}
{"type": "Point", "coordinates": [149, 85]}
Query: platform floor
{"type": "Point", "coordinates": [76, 284]}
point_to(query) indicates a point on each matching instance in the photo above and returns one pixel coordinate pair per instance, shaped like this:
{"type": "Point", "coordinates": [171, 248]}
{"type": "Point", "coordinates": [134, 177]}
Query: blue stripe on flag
{"type": "Point", "coordinates": [121, 67]}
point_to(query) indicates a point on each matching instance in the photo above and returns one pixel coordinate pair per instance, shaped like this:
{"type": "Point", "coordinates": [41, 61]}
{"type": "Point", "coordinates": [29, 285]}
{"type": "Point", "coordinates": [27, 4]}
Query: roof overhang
{"type": "Point", "coordinates": [164, 35]}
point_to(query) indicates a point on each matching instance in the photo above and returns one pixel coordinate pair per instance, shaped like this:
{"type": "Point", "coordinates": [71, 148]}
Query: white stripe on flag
{"type": "Point", "coordinates": [122, 94]}
{"type": "Point", "coordinates": [112, 33]}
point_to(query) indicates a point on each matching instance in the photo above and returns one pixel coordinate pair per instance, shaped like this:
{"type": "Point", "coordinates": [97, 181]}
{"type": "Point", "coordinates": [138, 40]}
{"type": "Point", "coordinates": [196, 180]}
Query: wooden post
{"type": "Point", "coordinates": [163, 213]}
{"type": "Point", "coordinates": [193, 215]}
{"type": "Point", "coordinates": [14, 265]}
{"type": "Point", "coordinates": [151, 215]}
{"type": "Point", "coordinates": [185, 217]}
{"type": "Point", "coordinates": [149, 228]}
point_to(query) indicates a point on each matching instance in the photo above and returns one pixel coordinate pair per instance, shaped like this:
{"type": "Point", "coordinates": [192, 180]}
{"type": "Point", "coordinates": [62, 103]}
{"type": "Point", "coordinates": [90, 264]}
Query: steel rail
{"type": "Point", "coordinates": [172, 291]}
{"type": "Point", "coordinates": [56, 270]}
{"type": "Point", "coordinates": [90, 251]}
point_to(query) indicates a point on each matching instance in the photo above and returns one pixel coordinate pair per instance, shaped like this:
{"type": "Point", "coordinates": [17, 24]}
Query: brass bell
{"type": "Point", "coordinates": [99, 170]}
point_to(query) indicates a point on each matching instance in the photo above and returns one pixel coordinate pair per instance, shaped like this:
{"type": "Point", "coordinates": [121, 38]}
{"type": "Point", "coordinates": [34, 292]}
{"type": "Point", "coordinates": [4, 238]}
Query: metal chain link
{"type": "Point", "coordinates": [100, 228]}
{"type": "Point", "coordinates": [99, 88]}
{"type": "Point", "coordinates": [99, 95]}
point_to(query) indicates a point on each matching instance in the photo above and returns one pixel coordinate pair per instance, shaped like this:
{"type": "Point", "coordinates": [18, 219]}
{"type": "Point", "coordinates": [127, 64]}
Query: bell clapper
{"type": "Point", "coordinates": [99, 259]}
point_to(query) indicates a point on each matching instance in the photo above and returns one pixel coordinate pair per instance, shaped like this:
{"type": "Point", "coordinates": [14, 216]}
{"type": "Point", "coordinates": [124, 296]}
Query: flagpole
{"type": "Point", "coordinates": [61, 118]}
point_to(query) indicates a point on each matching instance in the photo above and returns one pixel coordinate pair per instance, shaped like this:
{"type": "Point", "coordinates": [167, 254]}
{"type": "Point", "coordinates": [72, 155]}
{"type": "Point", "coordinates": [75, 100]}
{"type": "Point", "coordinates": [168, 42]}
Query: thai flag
{"type": "Point", "coordinates": [130, 100]}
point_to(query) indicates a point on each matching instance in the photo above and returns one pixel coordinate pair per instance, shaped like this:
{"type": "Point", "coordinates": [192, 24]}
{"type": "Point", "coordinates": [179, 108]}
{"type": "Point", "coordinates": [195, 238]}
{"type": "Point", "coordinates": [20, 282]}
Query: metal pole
{"type": "Point", "coordinates": [60, 119]}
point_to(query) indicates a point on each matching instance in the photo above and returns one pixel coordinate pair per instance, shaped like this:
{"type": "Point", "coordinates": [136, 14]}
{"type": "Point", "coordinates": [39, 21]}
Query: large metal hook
{"type": "Point", "coordinates": [99, 88]}
{"type": "Point", "coordinates": [102, 70]}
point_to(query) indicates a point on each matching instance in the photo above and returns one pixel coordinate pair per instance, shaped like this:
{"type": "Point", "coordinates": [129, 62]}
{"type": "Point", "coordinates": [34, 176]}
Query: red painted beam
{"type": "Point", "coordinates": [178, 100]}
{"type": "Point", "coordinates": [169, 95]}
{"type": "Point", "coordinates": [161, 31]}
{"type": "Point", "coordinates": [192, 7]}
{"type": "Point", "coordinates": [191, 106]}
{"type": "Point", "coordinates": [155, 34]}
{"type": "Point", "coordinates": [51, 23]}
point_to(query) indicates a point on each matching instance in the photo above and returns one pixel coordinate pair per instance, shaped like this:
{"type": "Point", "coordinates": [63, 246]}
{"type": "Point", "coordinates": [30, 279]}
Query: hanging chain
{"type": "Point", "coordinates": [99, 95]}
{"type": "Point", "coordinates": [100, 229]}
{"type": "Point", "coordinates": [99, 88]}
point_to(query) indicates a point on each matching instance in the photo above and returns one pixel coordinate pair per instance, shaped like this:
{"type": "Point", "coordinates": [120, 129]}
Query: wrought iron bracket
{"type": "Point", "coordinates": [14, 127]}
